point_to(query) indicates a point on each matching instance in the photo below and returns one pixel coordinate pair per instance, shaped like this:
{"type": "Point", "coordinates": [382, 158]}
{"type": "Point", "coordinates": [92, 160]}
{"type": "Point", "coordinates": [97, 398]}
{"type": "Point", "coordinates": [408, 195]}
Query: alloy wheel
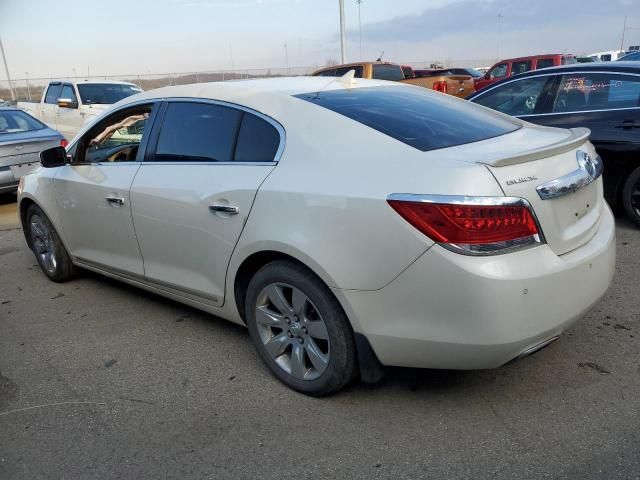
{"type": "Point", "coordinates": [42, 242]}
{"type": "Point", "coordinates": [635, 198]}
{"type": "Point", "coordinates": [292, 331]}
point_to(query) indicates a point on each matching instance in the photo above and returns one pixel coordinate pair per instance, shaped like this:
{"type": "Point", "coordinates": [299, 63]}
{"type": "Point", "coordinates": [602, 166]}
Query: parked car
{"type": "Point", "coordinates": [602, 97]}
{"type": "Point", "coordinates": [587, 59]}
{"type": "Point", "coordinates": [630, 57]}
{"type": "Point", "coordinates": [516, 66]}
{"type": "Point", "coordinates": [265, 201]}
{"type": "Point", "coordinates": [22, 137]}
{"type": "Point", "coordinates": [610, 56]}
{"type": "Point", "coordinates": [67, 105]}
{"type": "Point", "coordinates": [457, 85]}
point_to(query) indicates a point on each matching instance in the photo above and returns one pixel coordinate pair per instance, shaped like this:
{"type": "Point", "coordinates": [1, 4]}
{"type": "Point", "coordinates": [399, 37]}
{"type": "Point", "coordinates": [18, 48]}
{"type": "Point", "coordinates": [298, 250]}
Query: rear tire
{"type": "Point", "coordinates": [52, 256]}
{"type": "Point", "coordinates": [299, 329]}
{"type": "Point", "coordinates": [631, 196]}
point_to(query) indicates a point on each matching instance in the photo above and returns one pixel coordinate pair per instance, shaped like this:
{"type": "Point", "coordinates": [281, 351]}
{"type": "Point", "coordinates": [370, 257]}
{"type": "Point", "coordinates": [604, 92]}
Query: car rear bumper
{"type": "Point", "coordinates": [460, 312]}
{"type": "Point", "coordinates": [8, 182]}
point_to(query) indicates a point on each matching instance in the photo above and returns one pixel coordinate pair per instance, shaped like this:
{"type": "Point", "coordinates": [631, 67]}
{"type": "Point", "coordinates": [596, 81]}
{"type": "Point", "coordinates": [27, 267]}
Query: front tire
{"type": "Point", "coordinates": [52, 256]}
{"type": "Point", "coordinates": [299, 329]}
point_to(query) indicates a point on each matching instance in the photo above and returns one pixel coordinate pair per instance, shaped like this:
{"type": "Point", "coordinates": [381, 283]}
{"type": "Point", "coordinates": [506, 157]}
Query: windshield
{"type": "Point", "coordinates": [15, 121]}
{"type": "Point", "coordinates": [415, 116]}
{"type": "Point", "coordinates": [105, 93]}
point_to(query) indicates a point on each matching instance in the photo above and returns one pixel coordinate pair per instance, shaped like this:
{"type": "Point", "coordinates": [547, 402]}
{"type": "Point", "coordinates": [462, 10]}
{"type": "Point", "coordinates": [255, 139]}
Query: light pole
{"type": "Point", "coordinates": [343, 40]}
{"type": "Point", "coordinates": [359, 2]}
{"type": "Point", "coordinates": [26, 79]}
{"type": "Point", "coordinates": [6, 69]}
{"type": "Point", "coordinates": [286, 56]}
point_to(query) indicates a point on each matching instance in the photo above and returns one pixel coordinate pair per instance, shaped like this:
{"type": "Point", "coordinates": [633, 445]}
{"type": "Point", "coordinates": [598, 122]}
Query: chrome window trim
{"type": "Point", "coordinates": [588, 171]}
{"type": "Point", "coordinates": [273, 122]}
{"type": "Point", "coordinates": [480, 250]}
{"type": "Point", "coordinates": [516, 79]}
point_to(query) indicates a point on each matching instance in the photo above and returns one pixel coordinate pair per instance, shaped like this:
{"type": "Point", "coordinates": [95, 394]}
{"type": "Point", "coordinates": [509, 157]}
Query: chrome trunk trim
{"type": "Point", "coordinates": [588, 171]}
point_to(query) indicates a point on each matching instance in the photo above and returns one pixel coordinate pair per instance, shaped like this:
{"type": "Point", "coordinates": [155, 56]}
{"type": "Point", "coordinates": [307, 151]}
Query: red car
{"type": "Point", "coordinates": [514, 66]}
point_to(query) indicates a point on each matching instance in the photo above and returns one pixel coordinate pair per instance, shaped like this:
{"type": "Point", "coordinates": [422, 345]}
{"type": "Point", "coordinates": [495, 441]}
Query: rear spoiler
{"type": "Point", "coordinates": [577, 137]}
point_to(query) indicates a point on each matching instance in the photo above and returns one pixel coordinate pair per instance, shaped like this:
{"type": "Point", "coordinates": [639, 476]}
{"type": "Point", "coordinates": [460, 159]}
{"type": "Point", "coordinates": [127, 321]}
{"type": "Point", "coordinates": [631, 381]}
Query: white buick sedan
{"type": "Point", "coordinates": [349, 224]}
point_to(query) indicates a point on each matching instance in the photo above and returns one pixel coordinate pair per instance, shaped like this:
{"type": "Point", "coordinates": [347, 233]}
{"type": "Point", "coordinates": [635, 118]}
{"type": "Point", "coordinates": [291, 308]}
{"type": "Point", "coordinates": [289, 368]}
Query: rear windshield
{"type": "Point", "coordinates": [414, 115]}
{"type": "Point", "coordinates": [105, 93]}
{"type": "Point", "coordinates": [15, 121]}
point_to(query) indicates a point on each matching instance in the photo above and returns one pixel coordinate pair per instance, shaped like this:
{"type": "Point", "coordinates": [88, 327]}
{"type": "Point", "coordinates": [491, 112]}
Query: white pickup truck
{"type": "Point", "coordinates": [66, 105]}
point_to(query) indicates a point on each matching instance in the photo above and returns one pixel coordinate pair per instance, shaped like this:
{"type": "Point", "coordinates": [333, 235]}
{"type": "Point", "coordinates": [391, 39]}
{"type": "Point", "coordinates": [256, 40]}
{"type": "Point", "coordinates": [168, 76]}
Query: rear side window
{"type": "Point", "coordinates": [597, 91]}
{"type": "Point", "coordinates": [544, 63]}
{"type": "Point", "coordinates": [258, 140]}
{"type": "Point", "coordinates": [53, 93]}
{"type": "Point", "coordinates": [414, 116]}
{"type": "Point", "coordinates": [198, 132]}
{"type": "Point", "coordinates": [382, 71]}
{"type": "Point", "coordinates": [344, 70]}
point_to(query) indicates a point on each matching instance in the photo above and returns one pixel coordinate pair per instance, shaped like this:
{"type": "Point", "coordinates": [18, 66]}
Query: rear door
{"type": "Point", "coordinates": [195, 189]}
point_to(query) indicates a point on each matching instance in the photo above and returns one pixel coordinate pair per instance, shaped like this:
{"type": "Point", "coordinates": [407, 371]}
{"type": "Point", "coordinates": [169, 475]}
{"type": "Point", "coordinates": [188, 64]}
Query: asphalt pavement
{"type": "Point", "coordinates": [100, 380]}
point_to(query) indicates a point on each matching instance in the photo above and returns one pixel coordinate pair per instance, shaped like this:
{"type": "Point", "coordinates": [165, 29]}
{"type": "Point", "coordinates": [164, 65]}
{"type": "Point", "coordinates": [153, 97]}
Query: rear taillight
{"type": "Point", "coordinates": [471, 225]}
{"type": "Point", "coordinates": [440, 86]}
{"type": "Point", "coordinates": [64, 142]}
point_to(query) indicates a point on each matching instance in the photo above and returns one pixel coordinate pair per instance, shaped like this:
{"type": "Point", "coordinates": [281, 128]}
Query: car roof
{"type": "Point", "coordinates": [531, 57]}
{"type": "Point", "coordinates": [100, 82]}
{"type": "Point", "coordinates": [266, 95]}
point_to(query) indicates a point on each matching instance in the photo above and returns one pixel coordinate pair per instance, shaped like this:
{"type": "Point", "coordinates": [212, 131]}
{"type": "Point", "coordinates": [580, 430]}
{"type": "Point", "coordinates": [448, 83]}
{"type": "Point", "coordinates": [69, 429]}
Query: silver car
{"type": "Point", "coordinates": [22, 138]}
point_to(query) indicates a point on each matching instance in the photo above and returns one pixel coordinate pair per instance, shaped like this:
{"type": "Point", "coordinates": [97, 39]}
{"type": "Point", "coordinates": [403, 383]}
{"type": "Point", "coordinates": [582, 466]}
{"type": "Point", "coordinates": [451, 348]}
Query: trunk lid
{"type": "Point", "coordinates": [534, 156]}
{"type": "Point", "coordinates": [25, 147]}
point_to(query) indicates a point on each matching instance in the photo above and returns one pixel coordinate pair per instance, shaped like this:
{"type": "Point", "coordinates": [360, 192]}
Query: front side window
{"type": "Point", "coordinates": [53, 93]}
{"type": "Point", "coordinates": [520, 97]}
{"type": "Point", "coordinates": [597, 91]}
{"type": "Point", "coordinates": [499, 71]}
{"type": "Point", "coordinates": [105, 93]}
{"type": "Point", "coordinates": [198, 132]}
{"type": "Point", "coordinates": [68, 93]}
{"type": "Point", "coordinates": [383, 71]}
{"type": "Point", "coordinates": [520, 67]}
{"type": "Point", "coordinates": [414, 116]}
{"type": "Point", "coordinates": [115, 139]}
{"type": "Point", "coordinates": [16, 121]}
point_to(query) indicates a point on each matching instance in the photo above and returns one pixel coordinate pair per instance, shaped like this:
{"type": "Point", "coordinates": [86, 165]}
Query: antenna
{"type": "Point", "coordinates": [380, 57]}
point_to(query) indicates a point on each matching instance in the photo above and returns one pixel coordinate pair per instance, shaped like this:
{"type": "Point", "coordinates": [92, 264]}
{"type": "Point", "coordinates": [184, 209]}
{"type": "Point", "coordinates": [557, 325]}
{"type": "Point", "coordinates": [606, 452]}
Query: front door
{"type": "Point", "coordinates": [194, 192]}
{"type": "Point", "coordinates": [94, 191]}
{"type": "Point", "coordinates": [68, 119]}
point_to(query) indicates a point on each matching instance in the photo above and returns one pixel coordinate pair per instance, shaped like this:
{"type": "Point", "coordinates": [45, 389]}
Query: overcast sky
{"type": "Point", "coordinates": [51, 38]}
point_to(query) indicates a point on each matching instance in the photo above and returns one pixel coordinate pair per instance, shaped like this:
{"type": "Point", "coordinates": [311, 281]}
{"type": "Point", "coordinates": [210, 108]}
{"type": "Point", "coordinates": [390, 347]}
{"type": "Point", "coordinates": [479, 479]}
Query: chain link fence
{"type": "Point", "coordinates": [30, 89]}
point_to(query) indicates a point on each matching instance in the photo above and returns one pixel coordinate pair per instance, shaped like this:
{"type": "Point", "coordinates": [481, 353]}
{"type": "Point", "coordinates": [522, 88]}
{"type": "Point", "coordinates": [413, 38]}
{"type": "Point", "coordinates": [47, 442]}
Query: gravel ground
{"type": "Point", "coordinates": [101, 380]}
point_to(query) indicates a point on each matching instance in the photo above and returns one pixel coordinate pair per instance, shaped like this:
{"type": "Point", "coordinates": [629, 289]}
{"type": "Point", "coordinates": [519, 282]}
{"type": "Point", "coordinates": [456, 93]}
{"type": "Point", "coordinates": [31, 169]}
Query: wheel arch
{"type": "Point", "coordinates": [370, 368]}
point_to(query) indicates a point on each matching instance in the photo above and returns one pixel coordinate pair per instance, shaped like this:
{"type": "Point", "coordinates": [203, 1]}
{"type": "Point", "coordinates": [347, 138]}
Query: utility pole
{"type": "Point", "coordinates": [359, 2]}
{"type": "Point", "coordinates": [6, 69]}
{"type": "Point", "coordinates": [26, 79]}
{"type": "Point", "coordinates": [343, 40]}
{"type": "Point", "coordinates": [624, 30]}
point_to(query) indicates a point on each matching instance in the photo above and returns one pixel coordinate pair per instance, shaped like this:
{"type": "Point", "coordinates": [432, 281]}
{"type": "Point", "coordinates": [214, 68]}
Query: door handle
{"type": "Point", "coordinates": [115, 201]}
{"type": "Point", "coordinates": [230, 209]}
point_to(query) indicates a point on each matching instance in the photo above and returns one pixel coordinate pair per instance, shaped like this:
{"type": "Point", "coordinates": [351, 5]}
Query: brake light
{"type": "Point", "coordinates": [472, 225]}
{"type": "Point", "coordinates": [440, 86]}
{"type": "Point", "coordinates": [64, 142]}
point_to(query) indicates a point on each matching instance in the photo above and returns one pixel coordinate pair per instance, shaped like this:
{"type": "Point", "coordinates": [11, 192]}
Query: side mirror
{"type": "Point", "coordinates": [67, 103]}
{"type": "Point", "coordinates": [53, 157]}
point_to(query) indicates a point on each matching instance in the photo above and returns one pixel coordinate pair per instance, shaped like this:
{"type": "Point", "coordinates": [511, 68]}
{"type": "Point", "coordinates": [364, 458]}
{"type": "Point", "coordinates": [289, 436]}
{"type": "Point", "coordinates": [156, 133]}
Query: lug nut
{"type": "Point", "coordinates": [304, 330]}
{"type": "Point", "coordinates": [289, 334]}
{"type": "Point", "coordinates": [301, 340]}
{"type": "Point", "coordinates": [287, 319]}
